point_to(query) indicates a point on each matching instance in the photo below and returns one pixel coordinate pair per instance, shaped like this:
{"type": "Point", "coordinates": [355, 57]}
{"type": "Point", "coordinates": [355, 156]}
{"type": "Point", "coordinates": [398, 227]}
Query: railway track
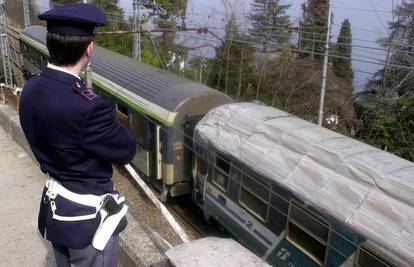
{"type": "Point", "coordinates": [188, 224]}
{"type": "Point", "coordinates": [188, 216]}
{"type": "Point", "coordinates": [193, 220]}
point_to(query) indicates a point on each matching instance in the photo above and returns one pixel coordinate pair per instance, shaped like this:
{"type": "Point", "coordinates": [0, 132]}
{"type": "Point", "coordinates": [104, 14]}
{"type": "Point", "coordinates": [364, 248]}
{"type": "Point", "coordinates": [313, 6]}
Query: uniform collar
{"type": "Point", "coordinates": [51, 66]}
{"type": "Point", "coordinates": [62, 76]}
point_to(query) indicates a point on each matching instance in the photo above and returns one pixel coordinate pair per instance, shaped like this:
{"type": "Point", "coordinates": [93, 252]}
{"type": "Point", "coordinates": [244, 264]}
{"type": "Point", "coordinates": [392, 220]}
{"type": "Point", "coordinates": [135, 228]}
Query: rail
{"type": "Point", "coordinates": [187, 222]}
{"type": "Point", "coordinates": [164, 211]}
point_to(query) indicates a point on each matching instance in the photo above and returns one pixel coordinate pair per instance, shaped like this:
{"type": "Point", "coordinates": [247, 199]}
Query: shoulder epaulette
{"type": "Point", "coordinates": [86, 93]}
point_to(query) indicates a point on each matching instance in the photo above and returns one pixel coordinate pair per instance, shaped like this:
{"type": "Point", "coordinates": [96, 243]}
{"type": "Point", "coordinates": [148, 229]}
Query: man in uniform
{"type": "Point", "coordinates": [74, 136]}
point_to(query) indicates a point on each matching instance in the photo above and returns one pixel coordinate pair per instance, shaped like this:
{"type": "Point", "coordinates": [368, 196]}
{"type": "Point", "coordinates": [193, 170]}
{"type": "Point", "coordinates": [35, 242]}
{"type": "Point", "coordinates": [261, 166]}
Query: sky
{"type": "Point", "coordinates": [367, 27]}
{"type": "Point", "coordinates": [369, 22]}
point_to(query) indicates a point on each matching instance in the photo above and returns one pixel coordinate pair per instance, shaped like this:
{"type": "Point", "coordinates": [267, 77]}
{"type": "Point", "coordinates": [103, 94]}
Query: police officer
{"type": "Point", "coordinates": [74, 136]}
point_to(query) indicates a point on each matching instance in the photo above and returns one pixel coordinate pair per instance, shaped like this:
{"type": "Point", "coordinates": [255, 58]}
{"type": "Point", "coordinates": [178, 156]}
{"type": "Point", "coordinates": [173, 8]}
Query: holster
{"type": "Point", "coordinates": [110, 219]}
{"type": "Point", "coordinates": [111, 207]}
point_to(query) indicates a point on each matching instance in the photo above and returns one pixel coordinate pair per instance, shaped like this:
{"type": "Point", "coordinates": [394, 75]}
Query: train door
{"type": "Point", "coordinates": [148, 157]}
{"type": "Point", "coordinates": [189, 155]}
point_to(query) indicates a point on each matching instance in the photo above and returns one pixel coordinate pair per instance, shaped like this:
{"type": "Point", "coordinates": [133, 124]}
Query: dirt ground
{"type": "Point", "coordinates": [143, 209]}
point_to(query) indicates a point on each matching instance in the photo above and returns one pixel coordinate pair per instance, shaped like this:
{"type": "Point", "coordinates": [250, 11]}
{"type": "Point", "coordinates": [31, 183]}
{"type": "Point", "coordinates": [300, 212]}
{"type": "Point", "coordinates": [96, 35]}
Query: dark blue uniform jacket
{"type": "Point", "coordinates": [74, 136]}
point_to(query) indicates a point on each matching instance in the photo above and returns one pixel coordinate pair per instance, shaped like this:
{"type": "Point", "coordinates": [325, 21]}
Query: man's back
{"type": "Point", "coordinates": [72, 132]}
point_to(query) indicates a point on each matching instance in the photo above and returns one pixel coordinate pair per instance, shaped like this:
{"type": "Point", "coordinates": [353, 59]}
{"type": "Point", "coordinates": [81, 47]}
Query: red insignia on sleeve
{"type": "Point", "coordinates": [86, 93]}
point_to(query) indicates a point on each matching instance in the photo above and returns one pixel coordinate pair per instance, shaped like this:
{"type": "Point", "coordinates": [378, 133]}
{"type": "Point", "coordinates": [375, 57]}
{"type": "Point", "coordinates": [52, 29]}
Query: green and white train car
{"type": "Point", "coordinates": [161, 107]}
{"type": "Point", "coordinates": [298, 194]}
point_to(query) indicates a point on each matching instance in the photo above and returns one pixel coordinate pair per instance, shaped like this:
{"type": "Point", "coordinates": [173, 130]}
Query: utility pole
{"type": "Point", "coordinates": [325, 66]}
{"type": "Point", "coordinates": [88, 71]}
{"type": "Point", "coordinates": [26, 12]}
{"type": "Point", "coordinates": [201, 72]}
{"type": "Point", "coordinates": [137, 26]}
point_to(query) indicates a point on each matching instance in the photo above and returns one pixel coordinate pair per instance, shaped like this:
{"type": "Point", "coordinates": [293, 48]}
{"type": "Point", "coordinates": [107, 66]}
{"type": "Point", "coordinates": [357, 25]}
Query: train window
{"type": "Point", "coordinates": [37, 59]}
{"type": "Point", "coordinates": [122, 114]}
{"type": "Point", "coordinates": [23, 47]}
{"type": "Point", "coordinates": [138, 123]}
{"type": "Point", "coordinates": [221, 172]}
{"type": "Point", "coordinates": [200, 165]}
{"type": "Point", "coordinates": [255, 197]}
{"type": "Point", "coordinates": [32, 54]}
{"type": "Point", "coordinates": [307, 233]}
{"type": "Point", "coordinates": [367, 258]}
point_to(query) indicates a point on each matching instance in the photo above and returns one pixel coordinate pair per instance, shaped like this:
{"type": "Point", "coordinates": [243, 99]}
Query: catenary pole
{"type": "Point", "coordinates": [325, 66]}
{"type": "Point", "coordinates": [26, 12]}
{"type": "Point", "coordinates": [137, 26]}
{"type": "Point", "coordinates": [88, 67]}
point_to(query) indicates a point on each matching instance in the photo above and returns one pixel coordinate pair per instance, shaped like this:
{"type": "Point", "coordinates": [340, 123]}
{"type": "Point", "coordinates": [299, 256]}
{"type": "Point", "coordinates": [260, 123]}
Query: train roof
{"type": "Point", "coordinates": [369, 189]}
{"type": "Point", "coordinates": [160, 87]}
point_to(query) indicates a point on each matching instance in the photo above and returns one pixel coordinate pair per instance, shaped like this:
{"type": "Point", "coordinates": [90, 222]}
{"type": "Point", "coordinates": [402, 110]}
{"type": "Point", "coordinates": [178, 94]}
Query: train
{"type": "Point", "coordinates": [294, 193]}
{"type": "Point", "coordinates": [298, 194]}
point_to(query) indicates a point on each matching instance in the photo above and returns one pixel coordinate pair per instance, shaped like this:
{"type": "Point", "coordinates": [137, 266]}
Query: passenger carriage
{"type": "Point", "coordinates": [298, 194]}
{"type": "Point", "coordinates": [161, 107]}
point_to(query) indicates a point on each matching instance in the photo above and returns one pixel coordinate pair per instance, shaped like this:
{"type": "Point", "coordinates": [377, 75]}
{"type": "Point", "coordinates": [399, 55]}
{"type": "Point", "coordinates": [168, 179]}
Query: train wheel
{"type": "Point", "coordinates": [165, 193]}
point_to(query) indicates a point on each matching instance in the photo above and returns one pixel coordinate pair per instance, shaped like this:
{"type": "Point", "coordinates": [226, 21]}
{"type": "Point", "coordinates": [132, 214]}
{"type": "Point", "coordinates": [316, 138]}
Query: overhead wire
{"type": "Point", "coordinates": [356, 70]}
{"type": "Point", "coordinates": [339, 56]}
{"type": "Point", "coordinates": [297, 18]}
{"type": "Point", "coordinates": [312, 52]}
{"type": "Point", "coordinates": [130, 13]}
{"type": "Point", "coordinates": [337, 7]}
{"type": "Point", "coordinates": [313, 40]}
{"type": "Point", "coordinates": [293, 28]}
{"type": "Point", "coordinates": [355, 46]}
{"type": "Point", "coordinates": [318, 41]}
{"type": "Point", "coordinates": [351, 59]}
{"type": "Point", "coordinates": [378, 16]}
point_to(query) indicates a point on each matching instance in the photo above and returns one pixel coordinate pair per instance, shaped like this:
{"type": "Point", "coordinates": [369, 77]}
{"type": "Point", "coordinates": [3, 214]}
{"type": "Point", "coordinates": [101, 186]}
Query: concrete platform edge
{"type": "Point", "coordinates": [131, 253]}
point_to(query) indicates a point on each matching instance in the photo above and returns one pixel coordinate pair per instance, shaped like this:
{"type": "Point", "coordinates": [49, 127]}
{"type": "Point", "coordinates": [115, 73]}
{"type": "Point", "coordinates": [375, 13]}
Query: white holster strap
{"type": "Point", "coordinates": [54, 188]}
{"type": "Point", "coordinates": [107, 227]}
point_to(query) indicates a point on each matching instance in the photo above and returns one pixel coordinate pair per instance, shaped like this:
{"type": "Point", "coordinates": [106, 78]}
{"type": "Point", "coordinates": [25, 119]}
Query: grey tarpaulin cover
{"type": "Point", "coordinates": [370, 190]}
